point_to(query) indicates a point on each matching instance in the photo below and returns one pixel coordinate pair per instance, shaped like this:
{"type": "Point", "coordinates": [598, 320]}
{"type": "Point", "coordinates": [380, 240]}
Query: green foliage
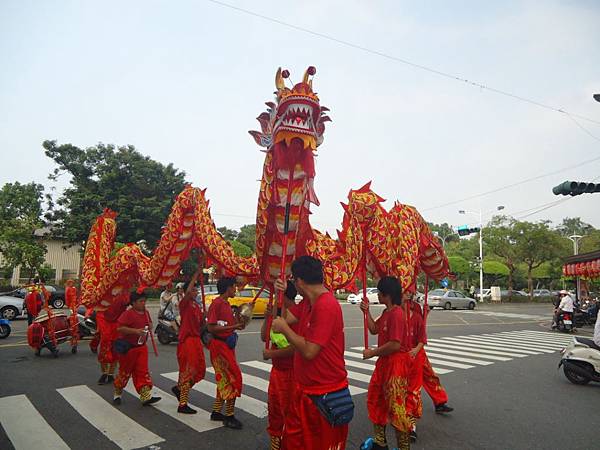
{"type": "Point", "coordinates": [495, 268]}
{"type": "Point", "coordinates": [241, 249]}
{"type": "Point", "coordinates": [140, 189]}
{"type": "Point", "coordinates": [20, 216]}
{"type": "Point", "coordinates": [444, 232]}
{"type": "Point", "coordinates": [459, 265]}
{"type": "Point", "coordinates": [247, 236]}
{"type": "Point", "coordinates": [46, 272]}
{"type": "Point", "coordinates": [228, 234]}
{"type": "Point", "coordinates": [573, 225]}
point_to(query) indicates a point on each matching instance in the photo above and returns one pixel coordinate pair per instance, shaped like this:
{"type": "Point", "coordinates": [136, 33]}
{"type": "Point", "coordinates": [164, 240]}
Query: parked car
{"type": "Point", "coordinates": [487, 294]}
{"type": "Point", "coordinates": [542, 293]}
{"type": "Point", "coordinates": [357, 298]}
{"type": "Point", "coordinates": [244, 296]}
{"type": "Point", "coordinates": [449, 299]}
{"type": "Point", "coordinates": [57, 295]}
{"type": "Point", "coordinates": [11, 307]}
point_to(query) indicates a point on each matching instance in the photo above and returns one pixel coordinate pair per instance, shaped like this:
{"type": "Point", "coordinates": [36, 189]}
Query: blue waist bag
{"type": "Point", "coordinates": [337, 407]}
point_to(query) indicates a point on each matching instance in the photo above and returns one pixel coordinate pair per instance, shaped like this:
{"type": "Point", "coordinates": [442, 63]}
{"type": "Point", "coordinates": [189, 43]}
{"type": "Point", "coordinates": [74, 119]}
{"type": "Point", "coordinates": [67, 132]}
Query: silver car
{"type": "Point", "coordinates": [11, 307]}
{"type": "Point", "coordinates": [449, 299]}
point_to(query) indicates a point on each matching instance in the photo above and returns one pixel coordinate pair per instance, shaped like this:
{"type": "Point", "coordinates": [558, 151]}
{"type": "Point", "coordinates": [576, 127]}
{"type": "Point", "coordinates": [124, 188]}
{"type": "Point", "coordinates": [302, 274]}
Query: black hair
{"type": "Point", "coordinates": [391, 286]}
{"type": "Point", "coordinates": [290, 291]}
{"type": "Point", "coordinates": [136, 296]}
{"type": "Point", "coordinates": [186, 285]}
{"type": "Point", "coordinates": [36, 280]}
{"type": "Point", "coordinates": [308, 269]}
{"type": "Point", "coordinates": [225, 283]}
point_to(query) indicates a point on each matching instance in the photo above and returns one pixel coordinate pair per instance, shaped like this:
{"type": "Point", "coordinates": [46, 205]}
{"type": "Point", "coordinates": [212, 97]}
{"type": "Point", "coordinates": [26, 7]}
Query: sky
{"type": "Point", "coordinates": [184, 81]}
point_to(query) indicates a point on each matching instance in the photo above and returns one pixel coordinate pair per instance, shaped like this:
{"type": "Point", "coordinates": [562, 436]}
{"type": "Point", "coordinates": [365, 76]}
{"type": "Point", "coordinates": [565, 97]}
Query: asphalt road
{"type": "Point", "coordinates": [498, 364]}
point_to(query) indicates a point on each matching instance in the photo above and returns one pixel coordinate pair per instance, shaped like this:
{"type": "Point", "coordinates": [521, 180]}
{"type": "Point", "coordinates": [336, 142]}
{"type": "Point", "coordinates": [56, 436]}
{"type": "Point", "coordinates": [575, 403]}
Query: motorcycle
{"type": "Point", "coordinates": [581, 361]}
{"type": "Point", "coordinates": [4, 328]}
{"type": "Point", "coordinates": [87, 325]}
{"type": "Point", "coordinates": [165, 332]}
{"type": "Point", "coordinates": [565, 322]}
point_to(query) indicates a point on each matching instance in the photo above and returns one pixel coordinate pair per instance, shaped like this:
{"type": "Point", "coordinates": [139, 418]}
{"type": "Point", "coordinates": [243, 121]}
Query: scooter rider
{"type": "Point", "coordinates": [566, 305]}
{"type": "Point", "coordinates": [597, 333]}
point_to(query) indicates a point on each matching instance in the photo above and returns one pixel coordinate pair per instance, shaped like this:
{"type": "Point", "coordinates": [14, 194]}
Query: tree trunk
{"type": "Point", "coordinates": [530, 282]}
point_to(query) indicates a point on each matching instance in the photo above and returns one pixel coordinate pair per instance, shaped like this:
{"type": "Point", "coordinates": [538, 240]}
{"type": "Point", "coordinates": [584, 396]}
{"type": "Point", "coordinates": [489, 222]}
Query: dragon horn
{"type": "Point", "coordinates": [310, 71]}
{"type": "Point", "coordinates": [279, 84]}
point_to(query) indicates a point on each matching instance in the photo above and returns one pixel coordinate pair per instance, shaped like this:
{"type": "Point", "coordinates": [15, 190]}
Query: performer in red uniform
{"type": "Point", "coordinates": [106, 321]}
{"type": "Point", "coordinates": [222, 325]}
{"type": "Point", "coordinates": [387, 397]}
{"type": "Point", "coordinates": [190, 354]}
{"type": "Point", "coordinates": [33, 303]}
{"type": "Point", "coordinates": [134, 326]}
{"type": "Point", "coordinates": [281, 387]}
{"type": "Point", "coordinates": [319, 366]}
{"type": "Point", "coordinates": [71, 301]}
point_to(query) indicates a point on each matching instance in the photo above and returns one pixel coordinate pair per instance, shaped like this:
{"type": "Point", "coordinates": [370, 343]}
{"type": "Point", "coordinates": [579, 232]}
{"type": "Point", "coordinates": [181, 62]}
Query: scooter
{"type": "Point", "coordinates": [565, 322]}
{"type": "Point", "coordinates": [165, 332]}
{"type": "Point", "coordinates": [581, 361]}
{"type": "Point", "coordinates": [4, 328]}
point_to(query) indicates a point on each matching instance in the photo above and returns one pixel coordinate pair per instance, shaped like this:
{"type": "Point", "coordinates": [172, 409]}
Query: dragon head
{"type": "Point", "coordinates": [296, 114]}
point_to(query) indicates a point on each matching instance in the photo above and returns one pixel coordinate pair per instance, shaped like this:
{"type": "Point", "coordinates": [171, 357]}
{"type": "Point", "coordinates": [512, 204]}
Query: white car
{"type": "Point", "coordinates": [357, 298]}
{"type": "Point", "coordinates": [11, 307]}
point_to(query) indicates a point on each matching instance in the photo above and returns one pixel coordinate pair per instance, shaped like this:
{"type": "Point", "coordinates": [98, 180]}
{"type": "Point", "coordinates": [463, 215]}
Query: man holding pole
{"type": "Point", "coordinates": [319, 367]}
{"type": "Point", "coordinates": [106, 320]}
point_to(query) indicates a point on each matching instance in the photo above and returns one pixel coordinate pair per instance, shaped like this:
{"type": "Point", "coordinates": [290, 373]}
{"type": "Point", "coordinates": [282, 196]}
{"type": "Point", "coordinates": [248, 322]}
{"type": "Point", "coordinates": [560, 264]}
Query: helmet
{"type": "Point", "coordinates": [179, 286]}
{"type": "Point", "coordinates": [563, 292]}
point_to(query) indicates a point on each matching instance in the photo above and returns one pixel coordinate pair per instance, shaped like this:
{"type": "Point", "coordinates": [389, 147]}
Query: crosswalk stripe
{"type": "Point", "coordinates": [245, 403]}
{"type": "Point", "coordinates": [354, 390]}
{"type": "Point", "coordinates": [508, 342]}
{"type": "Point", "coordinates": [546, 333]}
{"type": "Point", "coordinates": [358, 376]}
{"type": "Point", "coordinates": [526, 341]}
{"type": "Point", "coordinates": [434, 354]}
{"type": "Point", "coordinates": [360, 365]}
{"type": "Point", "coordinates": [480, 349]}
{"type": "Point", "coordinates": [544, 338]}
{"type": "Point", "coordinates": [358, 356]}
{"type": "Point", "coordinates": [116, 426]}
{"type": "Point", "coordinates": [437, 370]}
{"type": "Point", "coordinates": [168, 405]}
{"type": "Point", "coordinates": [450, 363]}
{"type": "Point", "coordinates": [467, 343]}
{"type": "Point", "coordinates": [256, 382]}
{"type": "Point", "coordinates": [25, 426]}
{"type": "Point", "coordinates": [473, 354]}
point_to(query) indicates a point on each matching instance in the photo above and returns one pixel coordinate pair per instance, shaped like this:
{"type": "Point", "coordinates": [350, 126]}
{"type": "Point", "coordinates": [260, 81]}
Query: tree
{"type": "Point", "coordinates": [228, 234]}
{"type": "Point", "coordinates": [444, 232]}
{"type": "Point", "coordinates": [247, 236]}
{"type": "Point", "coordinates": [241, 249]}
{"type": "Point", "coordinates": [590, 242]}
{"type": "Point", "coordinates": [20, 216]}
{"type": "Point", "coordinates": [138, 188]}
{"type": "Point", "coordinates": [500, 241]}
{"type": "Point", "coordinates": [573, 225]}
{"type": "Point", "coordinates": [535, 243]}
{"type": "Point", "coordinates": [494, 271]}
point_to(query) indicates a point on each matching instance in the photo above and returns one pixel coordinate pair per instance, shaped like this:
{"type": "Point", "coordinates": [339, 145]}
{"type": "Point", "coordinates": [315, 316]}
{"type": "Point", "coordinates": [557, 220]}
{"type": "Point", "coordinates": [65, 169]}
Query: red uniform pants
{"type": "Point", "coordinates": [134, 364]}
{"type": "Point", "coordinates": [388, 392]}
{"type": "Point", "coordinates": [307, 429]}
{"type": "Point", "coordinates": [227, 371]}
{"type": "Point", "coordinates": [432, 385]}
{"type": "Point", "coordinates": [108, 334]}
{"type": "Point", "coordinates": [281, 389]}
{"type": "Point", "coordinates": [190, 357]}
{"type": "Point", "coordinates": [414, 404]}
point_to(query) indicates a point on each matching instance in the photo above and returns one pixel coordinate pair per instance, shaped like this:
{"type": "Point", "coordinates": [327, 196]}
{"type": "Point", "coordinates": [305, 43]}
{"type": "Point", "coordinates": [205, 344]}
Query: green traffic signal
{"type": "Point", "coordinates": [575, 188]}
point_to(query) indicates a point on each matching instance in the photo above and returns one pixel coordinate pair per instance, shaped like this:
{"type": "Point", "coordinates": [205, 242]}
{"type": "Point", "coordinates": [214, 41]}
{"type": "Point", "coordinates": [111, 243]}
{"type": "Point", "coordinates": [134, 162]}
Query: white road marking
{"type": "Point", "coordinates": [512, 343]}
{"type": "Point", "coordinates": [256, 382]}
{"type": "Point", "coordinates": [477, 362]}
{"type": "Point", "coordinates": [433, 343]}
{"type": "Point", "coordinates": [25, 426]}
{"type": "Point", "coordinates": [473, 354]}
{"type": "Point", "coordinates": [125, 432]}
{"type": "Point", "coordinates": [465, 342]}
{"type": "Point", "coordinates": [438, 370]}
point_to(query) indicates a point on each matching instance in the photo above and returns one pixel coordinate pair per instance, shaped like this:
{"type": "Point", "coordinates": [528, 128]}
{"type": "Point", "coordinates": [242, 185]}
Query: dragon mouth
{"type": "Point", "coordinates": [296, 115]}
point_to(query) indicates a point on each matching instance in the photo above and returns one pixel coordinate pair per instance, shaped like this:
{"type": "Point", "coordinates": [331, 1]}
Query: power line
{"type": "Point", "coordinates": [402, 61]}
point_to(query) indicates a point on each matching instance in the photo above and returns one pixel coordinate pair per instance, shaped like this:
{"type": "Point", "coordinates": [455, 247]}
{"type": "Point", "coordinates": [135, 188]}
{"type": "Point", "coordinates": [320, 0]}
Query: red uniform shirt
{"type": "Point", "coordinates": [322, 324]}
{"type": "Point", "coordinates": [416, 331]}
{"type": "Point", "coordinates": [391, 326]}
{"type": "Point", "coordinates": [191, 318]}
{"type": "Point", "coordinates": [287, 363]}
{"type": "Point", "coordinates": [117, 308]}
{"type": "Point", "coordinates": [134, 319]}
{"type": "Point", "coordinates": [220, 309]}
{"type": "Point", "coordinates": [33, 302]}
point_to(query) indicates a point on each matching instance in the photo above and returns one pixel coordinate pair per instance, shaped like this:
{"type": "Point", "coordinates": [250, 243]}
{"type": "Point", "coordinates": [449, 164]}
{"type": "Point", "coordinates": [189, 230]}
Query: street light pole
{"type": "Point", "coordinates": [575, 238]}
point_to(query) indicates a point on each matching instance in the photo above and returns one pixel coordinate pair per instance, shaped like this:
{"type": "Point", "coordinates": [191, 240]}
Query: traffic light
{"type": "Point", "coordinates": [464, 230]}
{"type": "Point", "coordinates": [575, 188]}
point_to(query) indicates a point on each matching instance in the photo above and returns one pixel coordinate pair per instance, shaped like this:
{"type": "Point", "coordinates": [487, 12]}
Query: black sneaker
{"type": "Point", "coordinates": [185, 409]}
{"type": "Point", "coordinates": [217, 416]}
{"type": "Point", "coordinates": [117, 401]}
{"type": "Point", "coordinates": [110, 379]}
{"type": "Point", "coordinates": [413, 435]}
{"type": "Point", "coordinates": [232, 422]}
{"type": "Point", "coordinates": [443, 408]}
{"type": "Point", "coordinates": [103, 379]}
{"type": "Point", "coordinates": [151, 401]}
{"type": "Point", "coordinates": [176, 391]}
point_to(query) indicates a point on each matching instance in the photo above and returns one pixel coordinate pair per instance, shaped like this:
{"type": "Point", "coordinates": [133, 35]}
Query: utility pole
{"type": "Point", "coordinates": [576, 238]}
